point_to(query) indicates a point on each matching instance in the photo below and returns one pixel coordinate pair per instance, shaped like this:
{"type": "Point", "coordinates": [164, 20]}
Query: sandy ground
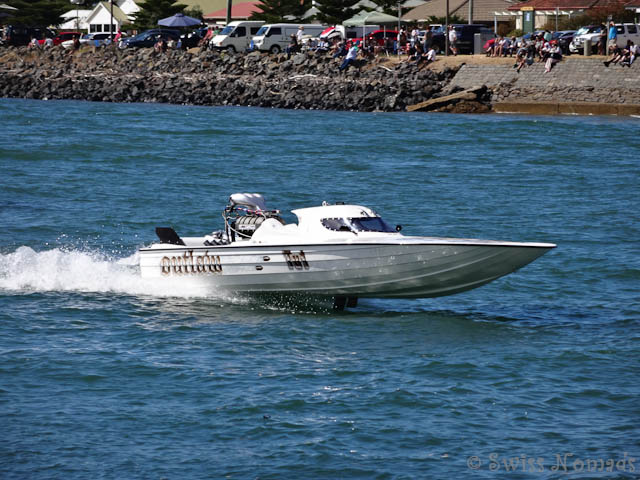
{"type": "Point", "coordinates": [443, 62]}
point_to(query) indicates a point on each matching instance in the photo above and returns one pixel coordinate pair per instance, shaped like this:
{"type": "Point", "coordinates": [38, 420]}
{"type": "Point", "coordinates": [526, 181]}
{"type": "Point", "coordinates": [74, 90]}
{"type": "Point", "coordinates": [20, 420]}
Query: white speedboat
{"type": "Point", "coordinates": [340, 251]}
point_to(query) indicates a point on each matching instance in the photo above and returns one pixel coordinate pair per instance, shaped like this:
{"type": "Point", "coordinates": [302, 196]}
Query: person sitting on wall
{"type": "Point", "coordinates": [418, 55]}
{"type": "Point", "coordinates": [431, 55]}
{"type": "Point", "coordinates": [160, 46]}
{"type": "Point", "coordinates": [497, 46]}
{"type": "Point", "coordinates": [352, 54]}
{"type": "Point", "coordinates": [524, 56]}
{"type": "Point", "coordinates": [204, 42]}
{"type": "Point", "coordinates": [555, 55]}
{"type": "Point", "coordinates": [489, 47]}
{"type": "Point", "coordinates": [628, 54]}
{"type": "Point", "coordinates": [293, 46]}
{"type": "Point", "coordinates": [340, 50]}
{"type": "Point", "coordinates": [634, 51]}
{"type": "Point", "coordinates": [616, 56]}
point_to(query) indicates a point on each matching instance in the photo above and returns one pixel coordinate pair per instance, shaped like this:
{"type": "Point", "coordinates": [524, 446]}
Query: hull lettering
{"type": "Point", "coordinates": [296, 261]}
{"type": "Point", "coordinates": [187, 264]}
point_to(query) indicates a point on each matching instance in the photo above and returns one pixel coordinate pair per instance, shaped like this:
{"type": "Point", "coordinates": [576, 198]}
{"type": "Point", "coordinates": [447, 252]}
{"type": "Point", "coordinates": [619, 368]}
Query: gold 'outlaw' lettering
{"type": "Point", "coordinates": [187, 264]}
{"type": "Point", "coordinates": [296, 261]}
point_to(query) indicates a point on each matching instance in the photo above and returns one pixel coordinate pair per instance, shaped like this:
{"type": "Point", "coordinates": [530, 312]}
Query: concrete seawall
{"type": "Point", "coordinates": [577, 85]}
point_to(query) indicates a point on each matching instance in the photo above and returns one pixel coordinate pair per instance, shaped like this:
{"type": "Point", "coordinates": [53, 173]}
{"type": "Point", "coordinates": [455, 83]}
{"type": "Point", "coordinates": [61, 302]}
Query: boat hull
{"type": "Point", "coordinates": [410, 270]}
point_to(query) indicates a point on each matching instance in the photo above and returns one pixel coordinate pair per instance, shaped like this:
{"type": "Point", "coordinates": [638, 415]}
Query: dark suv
{"type": "Point", "coordinates": [466, 34]}
{"type": "Point", "coordinates": [148, 38]}
{"type": "Point", "coordinates": [19, 36]}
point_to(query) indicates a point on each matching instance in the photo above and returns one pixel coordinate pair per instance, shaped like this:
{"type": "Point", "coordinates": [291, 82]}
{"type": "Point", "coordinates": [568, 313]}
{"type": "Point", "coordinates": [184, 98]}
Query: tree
{"type": "Point", "coordinates": [390, 7]}
{"type": "Point", "coordinates": [194, 12]}
{"type": "Point", "coordinates": [453, 19]}
{"type": "Point", "coordinates": [37, 13]}
{"type": "Point", "coordinates": [153, 10]}
{"type": "Point", "coordinates": [276, 11]}
{"type": "Point", "coordinates": [334, 12]}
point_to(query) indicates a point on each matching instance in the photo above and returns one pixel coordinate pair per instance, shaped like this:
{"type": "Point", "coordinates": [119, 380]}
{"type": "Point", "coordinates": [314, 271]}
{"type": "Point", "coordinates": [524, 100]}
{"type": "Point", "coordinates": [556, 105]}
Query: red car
{"type": "Point", "coordinates": [377, 37]}
{"type": "Point", "coordinates": [61, 37]}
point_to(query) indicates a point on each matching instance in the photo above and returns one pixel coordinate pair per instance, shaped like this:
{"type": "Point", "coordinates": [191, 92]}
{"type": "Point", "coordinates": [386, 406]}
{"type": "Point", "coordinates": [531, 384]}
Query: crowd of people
{"type": "Point", "coordinates": [418, 47]}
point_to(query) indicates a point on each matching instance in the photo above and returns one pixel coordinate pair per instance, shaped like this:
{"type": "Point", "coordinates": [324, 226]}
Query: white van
{"type": "Point", "coordinates": [346, 33]}
{"type": "Point", "coordinates": [274, 38]}
{"type": "Point", "coordinates": [236, 37]}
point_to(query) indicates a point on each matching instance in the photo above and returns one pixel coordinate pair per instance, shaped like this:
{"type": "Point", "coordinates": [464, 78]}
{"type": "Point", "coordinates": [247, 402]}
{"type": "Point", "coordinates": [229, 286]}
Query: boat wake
{"type": "Point", "coordinates": [59, 270]}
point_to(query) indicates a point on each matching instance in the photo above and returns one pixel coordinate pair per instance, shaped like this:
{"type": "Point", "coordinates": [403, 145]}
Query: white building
{"type": "Point", "coordinates": [99, 20]}
{"type": "Point", "coordinates": [75, 20]}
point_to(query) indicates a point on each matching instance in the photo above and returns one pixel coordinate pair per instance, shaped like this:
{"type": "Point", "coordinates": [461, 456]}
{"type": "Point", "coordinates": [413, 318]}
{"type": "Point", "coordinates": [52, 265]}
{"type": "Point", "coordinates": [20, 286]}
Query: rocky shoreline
{"type": "Point", "coordinates": [310, 81]}
{"type": "Point", "coordinates": [304, 81]}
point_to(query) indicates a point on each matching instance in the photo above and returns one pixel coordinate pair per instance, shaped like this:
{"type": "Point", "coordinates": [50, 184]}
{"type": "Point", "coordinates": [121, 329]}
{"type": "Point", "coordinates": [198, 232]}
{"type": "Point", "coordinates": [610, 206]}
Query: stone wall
{"type": "Point", "coordinates": [575, 79]}
{"type": "Point", "coordinates": [310, 81]}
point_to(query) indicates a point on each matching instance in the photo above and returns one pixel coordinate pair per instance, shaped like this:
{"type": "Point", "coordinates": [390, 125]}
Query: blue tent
{"type": "Point", "coordinates": [179, 20]}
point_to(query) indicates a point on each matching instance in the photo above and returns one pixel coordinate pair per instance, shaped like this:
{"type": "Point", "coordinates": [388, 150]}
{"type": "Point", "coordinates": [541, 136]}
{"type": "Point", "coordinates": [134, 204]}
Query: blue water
{"type": "Point", "coordinates": [104, 375]}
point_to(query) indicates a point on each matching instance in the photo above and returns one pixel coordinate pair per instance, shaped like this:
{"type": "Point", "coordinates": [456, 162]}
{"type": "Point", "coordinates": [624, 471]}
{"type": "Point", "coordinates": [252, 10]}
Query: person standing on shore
{"type": "Point", "coordinates": [602, 40]}
{"type": "Point", "coordinates": [453, 39]}
{"type": "Point", "coordinates": [428, 39]}
{"type": "Point", "coordinates": [613, 37]}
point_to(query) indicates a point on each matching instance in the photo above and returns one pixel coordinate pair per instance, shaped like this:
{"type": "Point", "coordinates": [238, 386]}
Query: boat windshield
{"type": "Point", "coordinates": [358, 224]}
{"type": "Point", "coordinates": [371, 224]}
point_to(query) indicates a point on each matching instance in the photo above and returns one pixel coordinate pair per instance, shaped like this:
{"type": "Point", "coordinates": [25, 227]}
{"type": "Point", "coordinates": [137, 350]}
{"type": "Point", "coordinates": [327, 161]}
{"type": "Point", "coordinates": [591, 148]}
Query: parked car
{"type": "Point", "coordinates": [192, 39]}
{"type": "Point", "coordinates": [63, 37]}
{"type": "Point", "coordinates": [91, 39]}
{"type": "Point", "coordinates": [148, 38]}
{"type": "Point", "coordinates": [19, 36]}
{"type": "Point", "coordinates": [466, 34]}
{"type": "Point", "coordinates": [589, 32]}
{"type": "Point", "coordinates": [377, 37]}
{"type": "Point", "coordinates": [237, 36]}
{"type": "Point", "coordinates": [627, 31]}
{"type": "Point", "coordinates": [274, 38]}
{"type": "Point", "coordinates": [564, 39]}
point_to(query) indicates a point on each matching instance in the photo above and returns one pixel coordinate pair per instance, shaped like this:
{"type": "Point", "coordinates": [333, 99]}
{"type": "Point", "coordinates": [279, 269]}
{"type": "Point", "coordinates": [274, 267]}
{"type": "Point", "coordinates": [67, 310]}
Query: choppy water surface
{"type": "Point", "coordinates": [105, 375]}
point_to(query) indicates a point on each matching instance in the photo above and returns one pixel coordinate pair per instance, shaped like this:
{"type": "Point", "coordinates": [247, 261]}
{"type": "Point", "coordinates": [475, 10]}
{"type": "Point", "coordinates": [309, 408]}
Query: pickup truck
{"type": "Point", "coordinates": [626, 31]}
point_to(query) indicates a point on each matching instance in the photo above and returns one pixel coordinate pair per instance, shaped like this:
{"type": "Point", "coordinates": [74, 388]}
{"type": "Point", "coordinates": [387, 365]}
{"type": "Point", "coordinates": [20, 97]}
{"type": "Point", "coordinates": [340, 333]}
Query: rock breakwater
{"type": "Point", "coordinates": [306, 81]}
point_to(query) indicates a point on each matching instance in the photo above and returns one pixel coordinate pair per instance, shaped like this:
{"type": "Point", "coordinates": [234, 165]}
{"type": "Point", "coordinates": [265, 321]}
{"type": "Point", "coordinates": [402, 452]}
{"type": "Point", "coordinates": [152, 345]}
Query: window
{"type": "Point", "coordinates": [254, 30]}
{"type": "Point", "coordinates": [240, 32]}
{"type": "Point", "coordinates": [371, 224]}
{"type": "Point", "coordinates": [275, 31]}
{"type": "Point", "coordinates": [632, 28]}
{"type": "Point", "coordinates": [336, 224]}
{"type": "Point", "coordinates": [360, 224]}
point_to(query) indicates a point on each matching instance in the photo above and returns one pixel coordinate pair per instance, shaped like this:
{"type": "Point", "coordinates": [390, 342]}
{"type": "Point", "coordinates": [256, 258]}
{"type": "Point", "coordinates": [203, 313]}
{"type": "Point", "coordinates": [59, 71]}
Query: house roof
{"type": "Point", "coordinates": [76, 13]}
{"type": "Point", "coordinates": [238, 11]}
{"type": "Point", "coordinates": [483, 10]}
{"type": "Point", "coordinates": [566, 4]}
{"type": "Point", "coordinates": [118, 14]}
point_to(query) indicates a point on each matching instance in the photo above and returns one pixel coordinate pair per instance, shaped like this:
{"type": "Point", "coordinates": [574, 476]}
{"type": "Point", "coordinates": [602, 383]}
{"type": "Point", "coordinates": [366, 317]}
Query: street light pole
{"type": "Point", "coordinates": [111, 24]}
{"type": "Point", "coordinates": [446, 31]}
